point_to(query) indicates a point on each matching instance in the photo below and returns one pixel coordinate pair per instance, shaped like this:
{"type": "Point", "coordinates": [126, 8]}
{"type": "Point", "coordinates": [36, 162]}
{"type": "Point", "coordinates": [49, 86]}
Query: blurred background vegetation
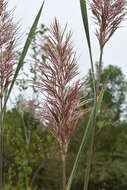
{"type": "Point", "coordinates": [31, 155]}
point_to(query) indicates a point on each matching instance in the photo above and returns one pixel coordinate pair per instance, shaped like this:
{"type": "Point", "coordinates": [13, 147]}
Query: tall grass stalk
{"type": "Point", "coordinates": [108, 15]}
{"type": "Point", "coordinates": [64, 170]}
{"type": "Point", "coordinates": [1, 143]}
{"type": "Point", "coordinates": [59, 109]}
{"type": "Point", "coordinates": [90, 151]}
{"type": "Point", "coordinates": [8, 38]}
{"type": "Point", "coordinates": [8, 41]}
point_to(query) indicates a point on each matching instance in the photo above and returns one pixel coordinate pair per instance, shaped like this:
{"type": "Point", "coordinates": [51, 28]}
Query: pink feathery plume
{"type": "Point", "coordinates": [60, 110]}
{"type": "Point", "coordinates": [107, 14]}
{"type": "Point", "coordinates": [8, 37]}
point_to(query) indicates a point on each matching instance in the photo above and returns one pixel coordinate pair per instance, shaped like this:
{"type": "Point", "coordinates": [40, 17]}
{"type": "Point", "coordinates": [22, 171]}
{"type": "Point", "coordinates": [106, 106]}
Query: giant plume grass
{"type": "Point", "coordinates": [9, 67]}
{"type": "Point", "coordinates": [107, 15]}
{"type": "Point", "coordinates": [59, 108]}
{"type": "Point", "coordinates": [8, 40]}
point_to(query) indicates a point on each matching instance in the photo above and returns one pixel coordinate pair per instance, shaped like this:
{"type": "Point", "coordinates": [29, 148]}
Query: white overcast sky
{"type": "Point", "coordinates": [69, 11]}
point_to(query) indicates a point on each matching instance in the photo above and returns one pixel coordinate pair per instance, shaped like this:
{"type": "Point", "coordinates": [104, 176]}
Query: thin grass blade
{"type": "Point", "coordinates": [86, 27]}
{"type": "Point", "coordinates": [85, 138]}
{"type": "Point", "coordinates": [24, 52]}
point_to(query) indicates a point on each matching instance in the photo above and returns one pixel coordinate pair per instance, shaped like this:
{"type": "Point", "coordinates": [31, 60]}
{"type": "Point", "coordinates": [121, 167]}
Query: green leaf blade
{"type": "Point", "coordinates": [87, 33]}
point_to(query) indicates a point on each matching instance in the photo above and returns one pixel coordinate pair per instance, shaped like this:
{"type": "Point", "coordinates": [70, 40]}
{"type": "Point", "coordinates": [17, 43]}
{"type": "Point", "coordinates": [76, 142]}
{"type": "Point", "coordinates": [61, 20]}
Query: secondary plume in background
{"type": "Point", "coordinates": [107, 14]}
{"type": "Point", "coordinates": [8, 38]}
